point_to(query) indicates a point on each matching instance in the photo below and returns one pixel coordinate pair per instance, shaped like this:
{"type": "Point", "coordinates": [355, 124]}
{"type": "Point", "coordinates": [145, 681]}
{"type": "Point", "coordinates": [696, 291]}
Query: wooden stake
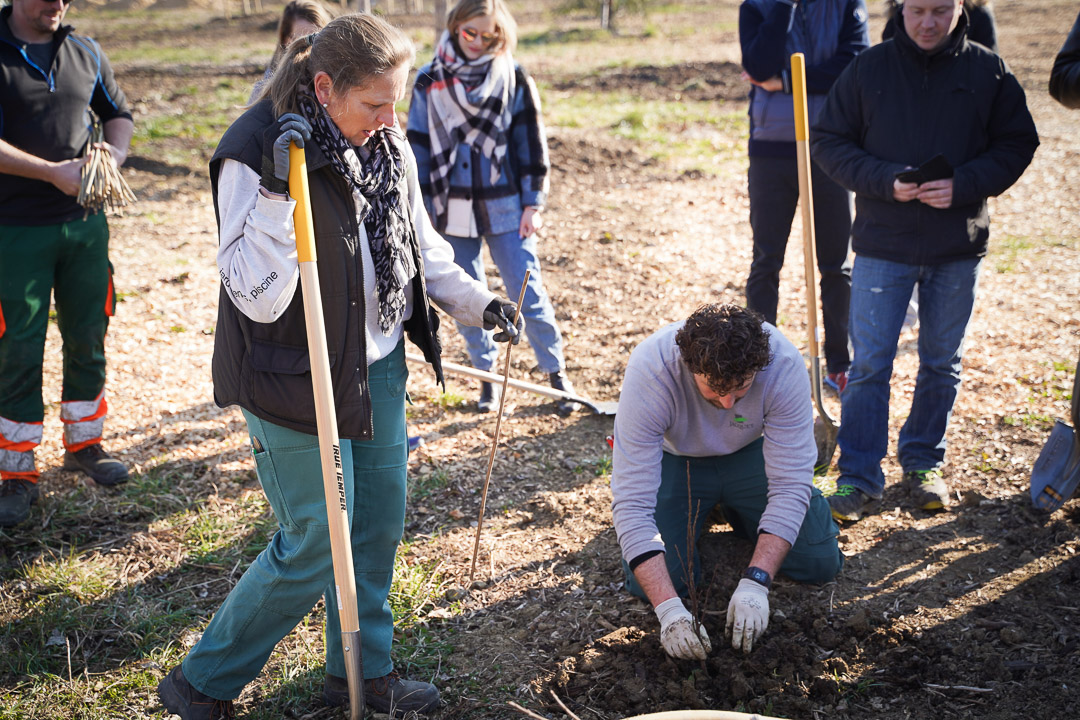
{"type": "Point", "coordinates": [498, 426]}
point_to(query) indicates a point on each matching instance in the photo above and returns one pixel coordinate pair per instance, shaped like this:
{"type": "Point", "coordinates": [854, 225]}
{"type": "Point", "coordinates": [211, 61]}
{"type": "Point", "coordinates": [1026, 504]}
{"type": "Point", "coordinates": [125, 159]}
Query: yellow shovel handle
{"type": "Point", "coordinates": [798, 90]}
{"type": "Point", "coordinates": [305, 233]}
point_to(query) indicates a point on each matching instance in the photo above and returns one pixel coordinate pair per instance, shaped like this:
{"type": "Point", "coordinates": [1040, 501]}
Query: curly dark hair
{"type": "Point", "coordinates": [725, 343]}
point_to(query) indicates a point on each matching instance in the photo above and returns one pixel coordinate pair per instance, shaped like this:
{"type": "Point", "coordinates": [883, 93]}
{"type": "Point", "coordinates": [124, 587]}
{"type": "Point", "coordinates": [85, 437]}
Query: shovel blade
{"type": "Point", "coordinates": [1056, 472]}
{"type": "Point", "coordinates": [825, 438]}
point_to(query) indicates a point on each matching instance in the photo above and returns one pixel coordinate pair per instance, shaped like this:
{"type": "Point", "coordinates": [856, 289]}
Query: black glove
{"type": "Point", "coordinates": [500, 313]}
{"type": "Point", "coordinates": [275, 174]}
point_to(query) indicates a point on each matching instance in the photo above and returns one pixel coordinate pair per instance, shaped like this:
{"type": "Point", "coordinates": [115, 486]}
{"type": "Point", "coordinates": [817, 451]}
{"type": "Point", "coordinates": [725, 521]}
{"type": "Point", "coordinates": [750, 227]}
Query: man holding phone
{"type": "Point", "coordinates": [923, 128]}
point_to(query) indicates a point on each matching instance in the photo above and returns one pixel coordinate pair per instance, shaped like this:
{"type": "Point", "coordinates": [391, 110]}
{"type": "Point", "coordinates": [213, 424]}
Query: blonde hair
{"type": "Point", "coordinates": [505, 27]}
{"type": "Point", "coordinates": [351, 49]}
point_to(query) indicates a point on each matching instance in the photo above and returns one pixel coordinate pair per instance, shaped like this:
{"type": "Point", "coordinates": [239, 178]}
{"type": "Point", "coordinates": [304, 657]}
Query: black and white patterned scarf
{"type": "Point", "coordinates": [377, 179]}
{"type": "Point", "coordinates": [469, 101]}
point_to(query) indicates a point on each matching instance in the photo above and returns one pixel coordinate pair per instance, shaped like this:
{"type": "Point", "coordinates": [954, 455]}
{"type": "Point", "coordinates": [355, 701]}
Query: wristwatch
{"type": "Point", "coordinates": [759, 576]}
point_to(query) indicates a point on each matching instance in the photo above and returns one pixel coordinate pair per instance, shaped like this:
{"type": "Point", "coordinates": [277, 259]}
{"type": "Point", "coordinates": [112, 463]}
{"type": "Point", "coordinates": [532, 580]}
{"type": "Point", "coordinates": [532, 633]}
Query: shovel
{"type": "Point", "coordinates": [599, 407]}
{"type": "Point", "coordinates": [337, 513]}
{"type": "Point", "coordinates": [1056, 472]}
{"type": "Point", "coordinates": [825, 428]}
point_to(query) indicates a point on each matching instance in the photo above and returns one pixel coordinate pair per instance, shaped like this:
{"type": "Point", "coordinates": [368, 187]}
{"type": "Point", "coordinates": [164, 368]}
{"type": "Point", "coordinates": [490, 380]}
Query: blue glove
{"type": "Point", "coordinates": [500, 313]}
{"type": "Point", "coordinates": [292, 129]}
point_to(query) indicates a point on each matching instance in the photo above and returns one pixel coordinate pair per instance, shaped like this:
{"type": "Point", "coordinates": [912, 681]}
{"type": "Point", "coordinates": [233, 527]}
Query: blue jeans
{"type": "Point", "coordinates": [738, 484]}
{"type": "Point", "coordinates": [880, 291]}
{"type": "Point", "coordinates": [285, 581]}
{"type": "Point", "coordinates": [513, 255]}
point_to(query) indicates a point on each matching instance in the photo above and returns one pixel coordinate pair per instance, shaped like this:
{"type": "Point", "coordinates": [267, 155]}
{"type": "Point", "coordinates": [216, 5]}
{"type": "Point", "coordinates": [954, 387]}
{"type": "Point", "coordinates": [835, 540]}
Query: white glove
{"type": "Point", "coordinates": [747, 614]}
{"type": "Point", "coordinates": [677, 632]}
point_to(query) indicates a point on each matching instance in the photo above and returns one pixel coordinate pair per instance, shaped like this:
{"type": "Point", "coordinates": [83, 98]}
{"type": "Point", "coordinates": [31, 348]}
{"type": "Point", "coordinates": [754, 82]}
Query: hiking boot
{"type": "Point", "coordinates": [390, 695]}
{"type": "Point", "coordinates": [837, 381]}
{"type": "Point", "coordinates": [849, 503]}
{"type": "Point", "coordinates": [927, 489]}
{"type": "Point", "coordinates": [489, 397]}
{"type": "Point", "coordinates": [560, 382]}
{"type": "Point", "coordinates": [16, 497]}
{"type": "Point", "coordinates": [102, 467]}
{"type": "Point", "coordinates": [180, 698]}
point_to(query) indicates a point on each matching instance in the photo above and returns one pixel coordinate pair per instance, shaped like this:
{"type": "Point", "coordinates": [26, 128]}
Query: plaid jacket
{"type": "Point", "coordinates": [524, 180]}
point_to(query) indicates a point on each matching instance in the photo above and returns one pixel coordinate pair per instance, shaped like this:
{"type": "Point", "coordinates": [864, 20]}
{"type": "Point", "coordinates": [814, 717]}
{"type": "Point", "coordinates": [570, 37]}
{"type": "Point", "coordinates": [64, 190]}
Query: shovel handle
{"type": "Point", "coordinates": [337, 514]}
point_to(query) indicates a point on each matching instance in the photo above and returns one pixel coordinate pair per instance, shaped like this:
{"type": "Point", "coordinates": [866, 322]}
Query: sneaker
{"type": "Point", "coordinates": [16, 497]}
{"type": "Point", "coordinates": [390, 695]}
{"type": "Point", "coordinates": [849, 503]}
{"type": "Point", "coordinates": [180, 698]}
{"type": "Point", "coordinates": [927, 488]}
{"type": "Point", "coordinates": [489, 397]}
{"type": "Point", "coordinates": [102, 467]}
{"type": "Point", "coordinates": [560, 382]}
{"type": "Point", "coordinates": [415, 441]}
{"type": "Point", "coordinates": [837, 381]}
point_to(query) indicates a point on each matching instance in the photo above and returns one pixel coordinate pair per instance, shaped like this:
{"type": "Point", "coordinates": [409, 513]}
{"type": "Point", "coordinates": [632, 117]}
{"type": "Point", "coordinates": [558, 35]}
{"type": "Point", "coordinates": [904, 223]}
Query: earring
{"type": "Point", "coordinates": [326, 104]}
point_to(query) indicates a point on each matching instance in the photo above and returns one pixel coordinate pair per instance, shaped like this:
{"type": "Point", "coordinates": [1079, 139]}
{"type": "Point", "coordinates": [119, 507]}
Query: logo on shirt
{"type": "Point", "coordinates": [738, 422]}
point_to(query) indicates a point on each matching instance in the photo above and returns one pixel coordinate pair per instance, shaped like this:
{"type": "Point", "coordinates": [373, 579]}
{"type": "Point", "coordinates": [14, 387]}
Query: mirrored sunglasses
{"type": "Point", "coordinates": [471, 34]}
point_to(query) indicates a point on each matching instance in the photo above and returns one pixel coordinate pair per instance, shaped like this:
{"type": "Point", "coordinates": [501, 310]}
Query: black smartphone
{"type": "Point", "coordinates": [936, 168]}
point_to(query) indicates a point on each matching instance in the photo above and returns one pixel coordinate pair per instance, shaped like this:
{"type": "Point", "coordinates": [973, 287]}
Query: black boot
{"type": "Point", "coordinates": [390, 695]}
{"type": "Point", "coordinates": [559, 381]}
{"type": "Point", "coordinates": [102, 467]}
{"type": "Point", "coordinates": [489, 397]}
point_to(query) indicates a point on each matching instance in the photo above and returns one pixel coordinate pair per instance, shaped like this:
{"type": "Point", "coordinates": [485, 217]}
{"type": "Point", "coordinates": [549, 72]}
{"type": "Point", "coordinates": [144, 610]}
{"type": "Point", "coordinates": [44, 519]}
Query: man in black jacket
{"type": "Point", "coordinates": [1065, 77]}
{"type": "Point", "coordinates": [50, 81]}
{"type": "Point", "coordinates": [923, 127]}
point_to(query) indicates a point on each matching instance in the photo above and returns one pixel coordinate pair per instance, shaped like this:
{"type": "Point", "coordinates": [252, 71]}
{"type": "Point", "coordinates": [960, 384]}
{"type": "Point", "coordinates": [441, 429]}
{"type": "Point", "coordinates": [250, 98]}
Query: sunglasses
{"type": "Point", "coordinates": [471, 34]}
{"type": "Point", "coordinates": [50, 2]}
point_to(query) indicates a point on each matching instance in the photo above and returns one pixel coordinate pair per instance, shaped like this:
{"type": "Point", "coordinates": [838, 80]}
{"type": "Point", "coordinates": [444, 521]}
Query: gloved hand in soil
{"type": "Point", "coordinates": [747, 614]}
{"type": "Point", "coordinates": [275, 174]}
{"type": "Point", "coordinates": [677, 632]}
{"type": "Point", "coordinates": [500, 314]}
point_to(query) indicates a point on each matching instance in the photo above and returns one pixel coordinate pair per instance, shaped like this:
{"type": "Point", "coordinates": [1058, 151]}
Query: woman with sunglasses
{"type": "Point", "coordinates": [476, 131]}
{"type": "Point", "coordinates": [381, 265]}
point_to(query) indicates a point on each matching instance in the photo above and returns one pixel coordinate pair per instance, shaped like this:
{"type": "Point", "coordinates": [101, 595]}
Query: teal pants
{"type": "Point", "coordinates": [286, 580]}
{"type": "Point", "coordinates": [71, 261]}
{"type": "Point", "coordinates": [738, 485]}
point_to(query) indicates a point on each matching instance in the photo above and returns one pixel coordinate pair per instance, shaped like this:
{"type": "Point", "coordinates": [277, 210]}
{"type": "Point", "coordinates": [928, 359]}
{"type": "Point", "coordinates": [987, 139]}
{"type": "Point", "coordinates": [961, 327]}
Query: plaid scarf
{"type": "Point", "coordinates": [377, 179]}
{"type": "Point", "coordinates": [469, 101]}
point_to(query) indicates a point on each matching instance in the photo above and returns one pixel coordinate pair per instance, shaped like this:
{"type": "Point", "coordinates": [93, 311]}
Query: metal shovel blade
{"type": "Point", "coordinates": [1056, 472]}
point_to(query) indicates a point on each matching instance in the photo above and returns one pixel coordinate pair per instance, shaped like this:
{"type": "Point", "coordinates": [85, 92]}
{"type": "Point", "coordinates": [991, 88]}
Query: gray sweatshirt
{"type": "Point", "coordinates": [661, 409]}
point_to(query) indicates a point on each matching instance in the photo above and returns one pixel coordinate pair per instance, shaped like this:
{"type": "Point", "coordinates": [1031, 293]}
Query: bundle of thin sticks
{"type": "Point", "coordinates": [102, 184]}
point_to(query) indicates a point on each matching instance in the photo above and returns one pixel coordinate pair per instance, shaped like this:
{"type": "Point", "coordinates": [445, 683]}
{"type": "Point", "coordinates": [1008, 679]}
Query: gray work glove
{"type": "Point", "coordinates": [500, 314]}
{"type": "Point", "coordinates": [275, 174]}
{"type": "Point", "coordinates": [747, 614]}
{"type": "Point", "coordinates": [678, 634]}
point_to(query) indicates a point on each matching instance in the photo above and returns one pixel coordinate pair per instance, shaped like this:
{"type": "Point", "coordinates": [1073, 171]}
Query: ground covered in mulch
{"type": "Point", "coordinates": [970, 613]}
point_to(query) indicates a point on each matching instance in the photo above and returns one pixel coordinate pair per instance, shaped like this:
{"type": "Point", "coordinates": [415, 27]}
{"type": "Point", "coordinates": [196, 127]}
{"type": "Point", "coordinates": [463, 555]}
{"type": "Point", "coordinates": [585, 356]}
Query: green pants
{"type": "Point", "coordinates": [738, 485]}
{"type": "Point", "coordinates": [284, 582]}
{"type": "Point", "coordinates": [68, 261]}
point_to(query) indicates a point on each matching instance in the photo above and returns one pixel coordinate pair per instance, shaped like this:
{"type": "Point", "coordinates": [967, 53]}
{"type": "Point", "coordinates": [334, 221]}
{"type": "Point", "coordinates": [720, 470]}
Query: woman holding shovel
{"type": "Point", "coordinates": [475, 127]}
{"type": "Point", "coordinates": [333, 94]}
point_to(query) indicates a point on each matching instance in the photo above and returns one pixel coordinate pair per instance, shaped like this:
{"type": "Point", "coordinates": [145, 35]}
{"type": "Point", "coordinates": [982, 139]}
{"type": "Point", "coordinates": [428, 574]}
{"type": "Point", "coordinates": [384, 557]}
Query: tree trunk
{"type": "Point", "coordinates": [363, 6]}
{"type": "Point", "coordinates": [605, 15]}
{"type": "Point", "coordinates": [440, 19]}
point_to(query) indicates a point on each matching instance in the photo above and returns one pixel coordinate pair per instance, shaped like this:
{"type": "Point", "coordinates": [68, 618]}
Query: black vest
{"type": "Point", "coordinates": [264, 367]}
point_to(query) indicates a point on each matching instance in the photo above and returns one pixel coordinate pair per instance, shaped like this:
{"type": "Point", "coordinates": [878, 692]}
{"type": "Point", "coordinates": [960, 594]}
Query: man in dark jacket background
{"type": "Point", "coordinates": [1065, 76]}
{"type": "Point", "coordinates": [927, 98]}
{"type": "Point", "coordinates": [51, 83]}
{"type": "Point", "coordinates": [829, 33]}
